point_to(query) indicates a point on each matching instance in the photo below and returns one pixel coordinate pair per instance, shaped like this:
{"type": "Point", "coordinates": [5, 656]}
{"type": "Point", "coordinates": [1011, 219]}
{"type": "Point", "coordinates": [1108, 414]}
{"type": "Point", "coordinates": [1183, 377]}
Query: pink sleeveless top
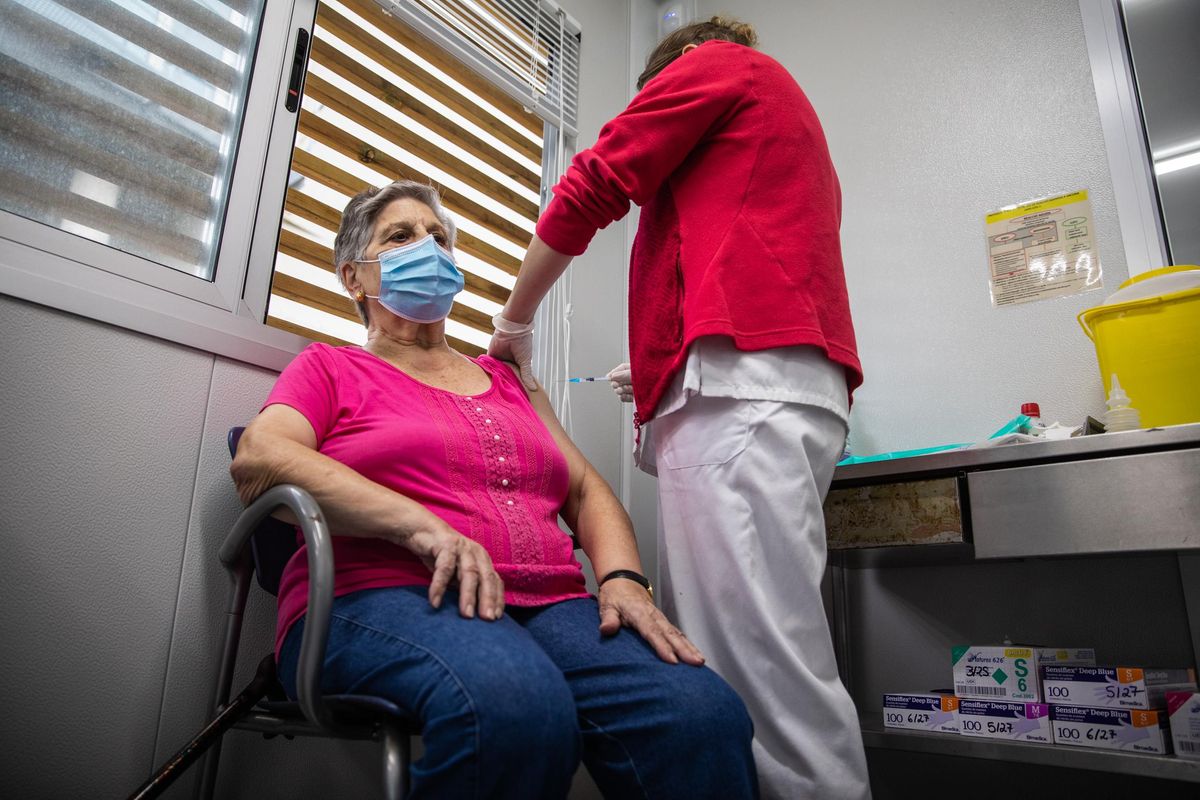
{"type": "Point", "coordinates": [486, 464]}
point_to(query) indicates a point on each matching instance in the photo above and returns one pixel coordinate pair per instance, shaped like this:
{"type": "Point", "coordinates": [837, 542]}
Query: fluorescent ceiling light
{"type": "Point", "coordinates": [1176, 163]}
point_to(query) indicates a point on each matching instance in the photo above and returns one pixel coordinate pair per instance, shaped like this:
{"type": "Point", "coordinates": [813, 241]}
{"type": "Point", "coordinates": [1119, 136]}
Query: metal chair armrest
{"type": "Point", "coordinates": [320, 586]}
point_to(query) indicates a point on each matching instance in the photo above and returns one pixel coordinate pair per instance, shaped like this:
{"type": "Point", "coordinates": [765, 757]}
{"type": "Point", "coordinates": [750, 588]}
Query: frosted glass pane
{"type": "Point", "coordinates": [119, 119]}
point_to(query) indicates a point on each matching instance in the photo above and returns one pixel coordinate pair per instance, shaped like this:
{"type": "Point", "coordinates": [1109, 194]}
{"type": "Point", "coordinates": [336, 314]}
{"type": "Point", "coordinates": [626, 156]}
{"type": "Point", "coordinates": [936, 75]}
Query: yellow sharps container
{"type": "Point", "coordinates": [1148, 335]}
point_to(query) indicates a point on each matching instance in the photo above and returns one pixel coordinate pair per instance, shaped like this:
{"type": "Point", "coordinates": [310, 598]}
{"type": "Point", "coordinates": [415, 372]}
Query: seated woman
{"type": "Point", "coordinates": [458, 597]}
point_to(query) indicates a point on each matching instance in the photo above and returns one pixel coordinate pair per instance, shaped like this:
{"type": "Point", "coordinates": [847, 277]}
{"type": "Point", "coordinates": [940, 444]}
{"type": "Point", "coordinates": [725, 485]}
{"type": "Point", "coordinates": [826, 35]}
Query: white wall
{"type": "Point", "coordinates": [612, 60]}
{"type": "Point", "coordinates": [638, 491]}
{"type": "Point", "coordinates": [938, 112]}
{"type": "Point", "coordinates": [597, 326]}
{"type": "Point", "coordinates": [116, 494]}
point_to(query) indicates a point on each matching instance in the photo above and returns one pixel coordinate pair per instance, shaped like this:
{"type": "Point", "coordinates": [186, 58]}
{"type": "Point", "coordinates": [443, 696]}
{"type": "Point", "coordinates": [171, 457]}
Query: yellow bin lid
{"type": "Point", "coordinates": [1148, 288]}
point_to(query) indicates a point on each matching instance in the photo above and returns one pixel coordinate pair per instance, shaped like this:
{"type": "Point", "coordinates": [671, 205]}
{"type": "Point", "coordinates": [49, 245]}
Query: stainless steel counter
{"type": "Point", "coordinates": [1098, 505]}
{"type": "Point", "coordinates": [1137, 491]}
{"type": "Point", "coordinates": [1174, 437]}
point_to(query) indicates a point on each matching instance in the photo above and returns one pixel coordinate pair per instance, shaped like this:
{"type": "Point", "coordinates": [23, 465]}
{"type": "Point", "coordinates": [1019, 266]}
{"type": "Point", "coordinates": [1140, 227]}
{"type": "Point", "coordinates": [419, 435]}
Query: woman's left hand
{"type": "Point", "coordinates": [625, 603]}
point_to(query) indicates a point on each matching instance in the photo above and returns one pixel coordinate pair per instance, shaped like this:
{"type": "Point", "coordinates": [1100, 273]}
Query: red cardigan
{"type": "Point", "coordinates": [741, 207]}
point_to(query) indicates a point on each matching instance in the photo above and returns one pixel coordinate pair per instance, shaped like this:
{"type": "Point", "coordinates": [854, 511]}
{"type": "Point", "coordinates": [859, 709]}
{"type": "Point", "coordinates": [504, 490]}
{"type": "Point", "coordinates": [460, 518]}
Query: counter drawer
{"type": "Point", "coordinates": [1105, 505]}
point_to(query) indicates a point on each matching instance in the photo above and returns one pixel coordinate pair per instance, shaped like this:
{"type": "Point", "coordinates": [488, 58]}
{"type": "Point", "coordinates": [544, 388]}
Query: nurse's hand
{"type": "Point", "coordinates": [513, 341]}
{"type": "Point", "coordinates": [621, 379]}
{"type": "Point", "coordinates": [625, 603]}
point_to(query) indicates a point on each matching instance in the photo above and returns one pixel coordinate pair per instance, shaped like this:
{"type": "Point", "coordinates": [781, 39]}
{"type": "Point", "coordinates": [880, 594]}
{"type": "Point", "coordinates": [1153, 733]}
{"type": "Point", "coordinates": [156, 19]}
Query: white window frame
{"type": "Point", "coordinates": [52, 267]}
{"type": "Point", "coordinates": [1129, 160]}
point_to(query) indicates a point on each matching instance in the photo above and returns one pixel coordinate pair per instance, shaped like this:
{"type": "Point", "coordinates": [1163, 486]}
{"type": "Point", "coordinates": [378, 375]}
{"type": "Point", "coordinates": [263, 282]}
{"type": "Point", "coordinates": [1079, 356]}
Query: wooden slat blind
{"type": "Point", "coordinates": [400, 100]}
{"type": "Point", "coordinates": [515, 113]}
{"type": "Point", "coordinates": [381, 103]}
{"type": "Point", "coordinates": [530, 47]}
{"type": "Point", "coordinates": [394, 52]}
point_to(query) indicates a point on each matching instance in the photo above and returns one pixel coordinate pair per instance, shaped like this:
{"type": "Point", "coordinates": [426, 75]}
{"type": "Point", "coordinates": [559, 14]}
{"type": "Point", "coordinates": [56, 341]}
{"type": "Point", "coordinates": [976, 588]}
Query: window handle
{"type": "Point", "coordinates": [299, 68]}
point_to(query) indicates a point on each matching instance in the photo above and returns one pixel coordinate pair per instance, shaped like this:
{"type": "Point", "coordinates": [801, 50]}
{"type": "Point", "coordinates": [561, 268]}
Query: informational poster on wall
{"type": "Point", "coordinates": [1042, 249]}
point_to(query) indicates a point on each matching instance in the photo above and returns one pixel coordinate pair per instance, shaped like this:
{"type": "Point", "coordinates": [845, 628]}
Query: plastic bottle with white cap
{"type": "Point", "coordinates": [1120, 415]}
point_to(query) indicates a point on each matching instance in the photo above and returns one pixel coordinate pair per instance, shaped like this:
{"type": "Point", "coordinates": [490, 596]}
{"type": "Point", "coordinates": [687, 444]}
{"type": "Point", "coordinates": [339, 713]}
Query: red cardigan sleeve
{"type": "Point", "coordinates": [640, 148]}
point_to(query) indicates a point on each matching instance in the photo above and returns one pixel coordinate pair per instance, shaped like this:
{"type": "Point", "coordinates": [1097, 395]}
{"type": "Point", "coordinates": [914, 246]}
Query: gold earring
{"type": "Point", "coordinates": [360, 296]}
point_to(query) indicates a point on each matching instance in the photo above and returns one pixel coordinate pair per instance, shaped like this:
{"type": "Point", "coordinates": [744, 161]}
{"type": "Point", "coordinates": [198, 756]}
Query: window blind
{"type": "Point", "coordinates": [382, 101]}
{"type": "Point", "coordinates": [529, 48]}
{"type": "Point", "coordinates": [119, 119]}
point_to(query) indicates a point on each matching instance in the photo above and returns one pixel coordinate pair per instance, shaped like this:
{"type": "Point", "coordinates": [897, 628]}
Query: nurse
{"type": "Point", "coordinates": [743, 360]}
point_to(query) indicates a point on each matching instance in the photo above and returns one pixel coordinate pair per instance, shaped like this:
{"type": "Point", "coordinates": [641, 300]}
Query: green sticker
{"type": "Point", "coordinates": [1000, 676]}
{"type": "Point", "coordinates": [956, 653]}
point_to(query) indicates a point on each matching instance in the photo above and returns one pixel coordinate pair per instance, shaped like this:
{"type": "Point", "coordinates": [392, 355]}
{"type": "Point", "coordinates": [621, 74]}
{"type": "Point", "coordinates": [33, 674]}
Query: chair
{"type": "Point", "coordinates": [271, 543]}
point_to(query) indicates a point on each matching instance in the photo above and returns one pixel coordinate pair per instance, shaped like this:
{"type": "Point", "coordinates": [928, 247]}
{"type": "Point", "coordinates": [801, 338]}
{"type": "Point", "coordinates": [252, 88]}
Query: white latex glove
{"type": "Point", "coordinates": [513, 341]}
{"type": "Point", "coordinates": [621, 380]}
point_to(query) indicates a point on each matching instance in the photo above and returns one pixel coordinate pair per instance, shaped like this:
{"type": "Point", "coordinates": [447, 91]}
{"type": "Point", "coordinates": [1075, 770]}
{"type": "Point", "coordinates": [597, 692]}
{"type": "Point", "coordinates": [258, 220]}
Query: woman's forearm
{"type": "Point", "coordinates": [539, 270]}
{"type": "Point", "coordinates": [279, 447]}
{"type": "Point", "coordinates": [352, 505]}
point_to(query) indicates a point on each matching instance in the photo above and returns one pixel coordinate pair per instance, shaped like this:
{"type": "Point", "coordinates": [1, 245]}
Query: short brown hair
{"type": "Point", "coordinates": [671, 47]}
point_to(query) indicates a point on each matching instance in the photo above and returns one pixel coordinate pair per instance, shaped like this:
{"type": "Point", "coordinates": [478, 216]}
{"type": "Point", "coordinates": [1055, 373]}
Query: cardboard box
{"type": "Point", "coordinates": [999, 719]}
{"type": "Point", "coordinates": [921, 711]}
{"type": "Point", "coordinates": [1183, 709]}
{"type": "Point", "coordinates": [1114, 687]}
{"type": "Point", "coordinates": [1065, 657]}
{"type": "Point", "coordinates": [1131, 729]}
{"type": "Point", "coordinates": [1009, 672]}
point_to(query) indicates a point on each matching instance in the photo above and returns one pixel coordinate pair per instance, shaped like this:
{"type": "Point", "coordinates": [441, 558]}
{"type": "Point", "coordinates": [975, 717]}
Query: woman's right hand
{"type": "Point", "coordinates": [279, 446]}
{"type": "Point", "coordinates": [452, 556]}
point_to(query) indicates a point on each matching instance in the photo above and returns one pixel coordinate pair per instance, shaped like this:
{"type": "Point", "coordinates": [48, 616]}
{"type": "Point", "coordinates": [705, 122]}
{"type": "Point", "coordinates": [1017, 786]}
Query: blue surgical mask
{"type": "Point", "coordinates": [417, 281]}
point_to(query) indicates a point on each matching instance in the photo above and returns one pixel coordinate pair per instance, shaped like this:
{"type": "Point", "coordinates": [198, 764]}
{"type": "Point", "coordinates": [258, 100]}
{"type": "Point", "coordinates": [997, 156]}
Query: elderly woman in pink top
{"type": "Point", "coordinates": [458, 597]}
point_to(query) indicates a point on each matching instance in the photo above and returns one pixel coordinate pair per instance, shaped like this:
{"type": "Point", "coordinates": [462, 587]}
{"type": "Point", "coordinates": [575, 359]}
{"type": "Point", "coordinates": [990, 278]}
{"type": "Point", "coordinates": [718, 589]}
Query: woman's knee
{"type": "Point", "coordinates": [539, 715]}
{"type": "Point", "coordinates": [530, 710]}
{"type": "Point", "coordinates": [700, 743]}
{"type": "Point", "coordinates": [711, 712]}
{"type": "Point", "coordinates": [509, 730]}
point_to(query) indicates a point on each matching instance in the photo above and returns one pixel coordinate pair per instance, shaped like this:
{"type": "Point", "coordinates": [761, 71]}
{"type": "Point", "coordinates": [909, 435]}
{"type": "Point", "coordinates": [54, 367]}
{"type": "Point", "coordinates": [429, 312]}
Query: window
{"type": "Point", "coordinates": [381, 103]}
{"type": "Point", "coordinates": [132, 148]}
{"type": "Point", "coordinates": [1146, 72]}
{"type": "Point", "coordinates": [153, 177]}
{"type": "Point", "coordinates": [123, 119]}
{"type": "Point", "coordinates": [1166, 69]}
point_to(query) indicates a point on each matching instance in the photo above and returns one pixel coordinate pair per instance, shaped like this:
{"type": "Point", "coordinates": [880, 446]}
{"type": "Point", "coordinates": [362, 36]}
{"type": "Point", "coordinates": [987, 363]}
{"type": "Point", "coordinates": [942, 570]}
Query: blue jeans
{"type": "Point", "coordinates": [508, 708]}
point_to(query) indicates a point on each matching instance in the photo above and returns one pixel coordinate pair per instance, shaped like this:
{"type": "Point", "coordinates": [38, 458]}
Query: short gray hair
{"type": "Point", "coordinates": [358, 221]}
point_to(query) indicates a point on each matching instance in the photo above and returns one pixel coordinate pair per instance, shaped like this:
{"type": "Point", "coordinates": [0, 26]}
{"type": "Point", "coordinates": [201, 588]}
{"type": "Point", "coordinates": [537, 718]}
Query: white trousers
{"type": "Point", "coordinates": [741, 556]}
